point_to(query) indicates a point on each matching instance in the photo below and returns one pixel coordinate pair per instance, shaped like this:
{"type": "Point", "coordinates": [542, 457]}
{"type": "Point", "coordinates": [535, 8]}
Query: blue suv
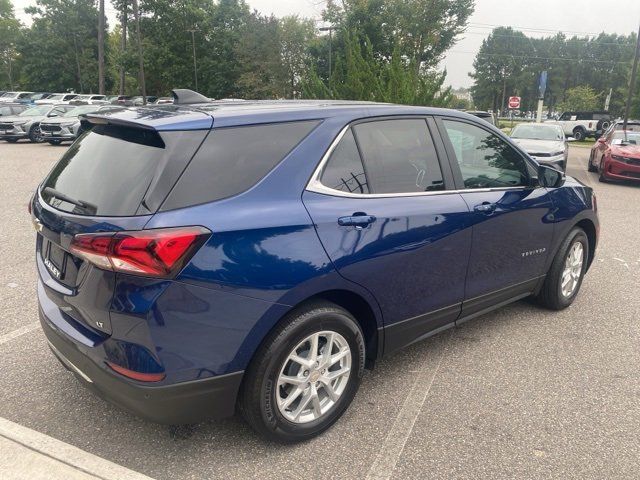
{"type": "Point", "coordinates": [201, 258]}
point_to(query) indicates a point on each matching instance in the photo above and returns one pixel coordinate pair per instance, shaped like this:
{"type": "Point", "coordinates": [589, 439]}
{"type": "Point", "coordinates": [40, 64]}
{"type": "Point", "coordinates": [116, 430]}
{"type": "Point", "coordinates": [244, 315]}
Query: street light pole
{"type": "Point", "coordinates": [195, 63]}
{"type": "Point", "coordinates": [330, 30]}
{"type": "Point", "coordinates": [632, 83]}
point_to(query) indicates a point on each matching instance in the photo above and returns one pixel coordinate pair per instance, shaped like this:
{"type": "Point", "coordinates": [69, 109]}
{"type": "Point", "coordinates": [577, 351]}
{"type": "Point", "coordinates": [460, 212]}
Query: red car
{"type": "Point", "coordinates": [616, 156]}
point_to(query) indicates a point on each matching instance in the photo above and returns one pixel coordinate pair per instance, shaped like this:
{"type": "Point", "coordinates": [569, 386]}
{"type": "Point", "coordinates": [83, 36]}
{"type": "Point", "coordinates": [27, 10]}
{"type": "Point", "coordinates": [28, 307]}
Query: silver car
{"type": "Point", "coordinates": [544, 142]}
{"type": "Point", "coordinates": [67, 127]}
{"type": "Point", "coordinates": [27, 124]}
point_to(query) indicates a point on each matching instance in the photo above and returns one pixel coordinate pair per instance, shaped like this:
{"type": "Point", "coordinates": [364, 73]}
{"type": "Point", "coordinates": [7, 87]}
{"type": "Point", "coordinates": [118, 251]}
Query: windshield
{"type": "Point", "coordinates": [10, 95]}
{"type": "Point", "coordinates": [80, 110]}
{"type": "Point", "coordinates": [628, 138]}
{"type": "Point", "coordinates": [36, 111]}
{"type": "Point", "coordinates": [55, 97]}
{"type": "Point", "coordinates": [537, 132]}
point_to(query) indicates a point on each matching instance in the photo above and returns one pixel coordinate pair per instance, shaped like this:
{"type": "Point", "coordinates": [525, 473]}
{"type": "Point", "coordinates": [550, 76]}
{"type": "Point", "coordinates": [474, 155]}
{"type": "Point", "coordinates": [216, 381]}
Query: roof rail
{"type": "Point", "coordinates": [184, 96]}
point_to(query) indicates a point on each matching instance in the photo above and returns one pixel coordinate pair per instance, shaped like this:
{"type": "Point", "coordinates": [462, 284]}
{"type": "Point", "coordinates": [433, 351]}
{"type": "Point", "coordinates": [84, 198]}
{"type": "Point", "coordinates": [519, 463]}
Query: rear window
{"type": "Point", "coordinates": [106, 172]}
{"type": "Point", "coordinates": [232, 160]}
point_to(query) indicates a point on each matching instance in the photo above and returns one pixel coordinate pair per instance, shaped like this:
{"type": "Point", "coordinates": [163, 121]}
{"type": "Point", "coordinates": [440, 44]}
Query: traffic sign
{"type": "Point", "coordinates": [514, 102]}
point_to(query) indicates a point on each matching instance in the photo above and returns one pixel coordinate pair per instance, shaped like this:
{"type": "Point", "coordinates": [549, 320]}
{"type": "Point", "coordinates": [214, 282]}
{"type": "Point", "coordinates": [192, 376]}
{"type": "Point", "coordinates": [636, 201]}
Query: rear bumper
{"type": "Point", "coordinates": [181, 403]}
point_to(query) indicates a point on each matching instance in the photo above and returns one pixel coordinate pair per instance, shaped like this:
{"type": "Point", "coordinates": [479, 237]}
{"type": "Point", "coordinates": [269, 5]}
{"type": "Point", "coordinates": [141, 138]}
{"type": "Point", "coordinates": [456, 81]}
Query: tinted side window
{"type": "Point", "coordinates": [344, 170]}
{"type": "Point", "coordinates": [485, 160]}
{"type": "Point", "coordinates": [232, 160]}
{"type": "Point", "coordinates": [399, 156]}
{"type": "Point", "coordinates": [565, 116]}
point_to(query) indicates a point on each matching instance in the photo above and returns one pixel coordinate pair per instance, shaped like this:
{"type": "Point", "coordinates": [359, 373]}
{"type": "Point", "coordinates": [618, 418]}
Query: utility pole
{"type": "Point", "coordinates": [195, 63]}
{"type": "Point", "coordinates": [632, 83]}
{"type": "Point", "coordinates": [101, 47]}
{"type": "Point", "coordinates": [330, 30]}
{"type": "Point", "coordinates": [123, 43]}
{"type": "Point", "coordinates": [136, 17]}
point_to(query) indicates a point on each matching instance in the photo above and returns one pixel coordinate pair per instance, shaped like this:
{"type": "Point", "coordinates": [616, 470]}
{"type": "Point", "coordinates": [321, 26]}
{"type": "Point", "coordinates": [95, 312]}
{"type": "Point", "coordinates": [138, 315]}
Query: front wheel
{"type": "Point", "coordinates": [590, 166]}
{"type": "Point", "coordinates": [305, 375]}
{"type": "Point", "coordinates": [567, 272]}
{"type": "Point", "coordinates": [35, 135]}
{"type": "Point", "coordinates": [602, 177]}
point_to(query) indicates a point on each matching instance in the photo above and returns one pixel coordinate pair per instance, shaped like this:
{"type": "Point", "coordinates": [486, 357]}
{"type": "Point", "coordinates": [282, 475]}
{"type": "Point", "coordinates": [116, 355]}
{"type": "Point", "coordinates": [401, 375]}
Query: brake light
{"type": "Point", "coordinates": [156, 253]}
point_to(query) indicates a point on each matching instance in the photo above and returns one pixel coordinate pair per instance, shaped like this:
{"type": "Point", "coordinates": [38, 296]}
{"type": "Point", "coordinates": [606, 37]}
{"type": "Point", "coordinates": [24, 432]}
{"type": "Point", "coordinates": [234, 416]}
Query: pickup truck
{"type": "Point", "coordinates": [581, 125]}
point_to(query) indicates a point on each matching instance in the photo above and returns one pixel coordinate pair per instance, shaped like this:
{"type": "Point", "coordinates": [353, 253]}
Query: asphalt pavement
{"type": "Point", "coordinates": [518, 393]}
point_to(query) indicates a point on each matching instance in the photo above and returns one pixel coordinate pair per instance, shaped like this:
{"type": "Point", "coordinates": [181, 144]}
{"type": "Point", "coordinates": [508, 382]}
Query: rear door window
{"type": "Point", "coordinates": [344, 170]}
{"type": "Point", "coordinates": [232, 160]}
{"type": "Point", "coordinates": [399, 156]}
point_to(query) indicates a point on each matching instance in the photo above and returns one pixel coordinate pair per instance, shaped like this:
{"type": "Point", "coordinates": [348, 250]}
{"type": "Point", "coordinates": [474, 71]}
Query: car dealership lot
{"type": "Point", "coordinates": [521, 392]}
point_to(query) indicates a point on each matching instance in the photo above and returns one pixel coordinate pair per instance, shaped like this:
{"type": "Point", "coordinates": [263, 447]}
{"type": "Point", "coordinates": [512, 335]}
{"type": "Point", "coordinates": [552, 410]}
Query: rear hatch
{"type": "Point", "coordinates": [112, 179]}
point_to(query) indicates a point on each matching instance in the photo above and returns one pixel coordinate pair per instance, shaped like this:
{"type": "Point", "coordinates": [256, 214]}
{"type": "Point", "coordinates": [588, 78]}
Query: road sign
{"type": "Point", "coordinates": [514, 102]}
{"type": "Point", "coordinates": [542, 84]}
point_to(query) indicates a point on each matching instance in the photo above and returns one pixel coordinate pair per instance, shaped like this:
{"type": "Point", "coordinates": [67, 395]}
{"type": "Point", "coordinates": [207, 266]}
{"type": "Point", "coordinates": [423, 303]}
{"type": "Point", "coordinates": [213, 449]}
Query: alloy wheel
{"type": "Point", "coordinates": [314, 376]}
{"type": "Point", "coordinates": [572, 269]}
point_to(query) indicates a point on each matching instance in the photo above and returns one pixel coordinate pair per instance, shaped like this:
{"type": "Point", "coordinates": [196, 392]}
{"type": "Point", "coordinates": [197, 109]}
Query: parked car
{"type": "Point", "coordinates": [88, 99]}
{"type": "Point", "coordinates": [10, 109]}
{"type": "Point", "coordinates": [486, 116]}
{"type": "Point", "coordinates": [263, 254]}
{"type": "Point", "coordinates": [137, 101]}
{"type": "Point", "coordinates": [56, 98]}
{"type": "Point", "coordinates": [581, 125]}
{"type": "Point", "coordinates": [121, 99]}
{"type": "Point", "coordinates": [26, 125]}
{"type": "Point", "coordinates": [164, 100]}
{"type": "Point", "coordinates": [14, 96]}
{"type": "Point", "coordinates": [67, 127]}
{"type": "Point", "coordinates": [616, 156]}
{"type": "Point", "coordinates": [543, 142]}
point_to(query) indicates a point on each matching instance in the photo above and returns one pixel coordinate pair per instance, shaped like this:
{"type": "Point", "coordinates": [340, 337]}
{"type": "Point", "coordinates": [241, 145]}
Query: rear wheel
{"type": "Point", "coordinates": [579, 134]}
{"type": "Point", "coordinates": [305, 375]}
{"type": "Point", "coordinates": [35, 135]}
{"type": "Point", "coordinates": [565, 276]}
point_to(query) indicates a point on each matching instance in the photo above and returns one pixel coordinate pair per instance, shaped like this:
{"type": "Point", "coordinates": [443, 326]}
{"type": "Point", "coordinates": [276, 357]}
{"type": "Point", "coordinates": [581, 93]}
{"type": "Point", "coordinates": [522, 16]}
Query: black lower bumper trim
{"type": "Point", "coordinates": [177, 404]}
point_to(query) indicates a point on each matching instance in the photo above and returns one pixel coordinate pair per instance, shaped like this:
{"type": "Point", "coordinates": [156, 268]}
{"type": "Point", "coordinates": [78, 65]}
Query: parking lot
{"type": "Point", "coordinates": [519, 393]}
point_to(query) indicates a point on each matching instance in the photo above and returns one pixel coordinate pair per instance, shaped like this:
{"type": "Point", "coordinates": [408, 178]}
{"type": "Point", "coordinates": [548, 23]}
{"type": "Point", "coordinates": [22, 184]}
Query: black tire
{"type": "Point", "coordinates": [55, 142]}
{"type": "Point", "coordinates": [600, 170]}
{"type": "Point", "coordinates": [590, 166]}
{"type": "Point", "coordinates": [35, 135]}
{"type": "Point", "coordinates": [551, 295]}
{"type": "Point", "coordinates": [579, 134]}
{"type": "Point", "coordinates": [11, 140]}
{"type": "Point", "coordinates": [257, 400]}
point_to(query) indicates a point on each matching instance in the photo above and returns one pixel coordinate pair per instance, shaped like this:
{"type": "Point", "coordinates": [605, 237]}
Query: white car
{"type": "Point", "coordinates": [56, 98]}
{"type": "Point", "coordinates": [581, 125]}
{"type": "Point", "coordinates": [545, 143]}
{"type": "Point", "coordinates": [89, 99]}
{"type": "Point", "coordinates": [14, 96]}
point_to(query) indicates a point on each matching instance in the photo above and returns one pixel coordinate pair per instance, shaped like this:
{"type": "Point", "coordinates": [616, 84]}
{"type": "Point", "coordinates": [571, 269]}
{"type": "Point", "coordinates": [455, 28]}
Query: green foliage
{"type": "Point", "coordinates": [60, 49]}
{"type": "Point", "coordinates": [9, 35]}
{"type": "Point", "coordinates": [580, 98]}
{"type": "Point", "coordinates": [509, 63]}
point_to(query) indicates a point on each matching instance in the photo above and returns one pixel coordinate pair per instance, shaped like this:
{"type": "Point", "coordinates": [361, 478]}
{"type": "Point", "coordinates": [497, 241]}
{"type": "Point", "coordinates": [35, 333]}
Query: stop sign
{"type": "Point", "coordinates": [514, 102]}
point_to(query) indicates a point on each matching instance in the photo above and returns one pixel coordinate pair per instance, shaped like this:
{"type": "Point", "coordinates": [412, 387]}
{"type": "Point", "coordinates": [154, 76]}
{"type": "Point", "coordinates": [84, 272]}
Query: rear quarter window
{"type": "Point", "coordinates": [232, 160]}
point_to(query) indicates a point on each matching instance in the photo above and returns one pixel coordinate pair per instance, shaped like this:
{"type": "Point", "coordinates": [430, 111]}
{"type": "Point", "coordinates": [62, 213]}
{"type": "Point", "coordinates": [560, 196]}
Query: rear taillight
{"type": "Point", "coordinates": [139, 376]}
{"type": "Point", "coordinates": [155, 253]}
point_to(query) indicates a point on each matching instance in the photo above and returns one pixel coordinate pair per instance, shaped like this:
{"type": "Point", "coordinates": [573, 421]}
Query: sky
{"type": "Point", "coordinates": [535, 18]}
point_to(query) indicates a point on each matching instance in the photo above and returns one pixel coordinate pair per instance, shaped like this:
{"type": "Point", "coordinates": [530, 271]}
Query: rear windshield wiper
{"type": "Point", "coordinates": [90, 207]}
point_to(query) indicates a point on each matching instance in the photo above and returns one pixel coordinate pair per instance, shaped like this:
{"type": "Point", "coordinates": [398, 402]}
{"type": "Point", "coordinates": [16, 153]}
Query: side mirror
{"type": "Point", "coordinates": [550, 177]}
{"type": "Point", "coordinates": [570, 139]}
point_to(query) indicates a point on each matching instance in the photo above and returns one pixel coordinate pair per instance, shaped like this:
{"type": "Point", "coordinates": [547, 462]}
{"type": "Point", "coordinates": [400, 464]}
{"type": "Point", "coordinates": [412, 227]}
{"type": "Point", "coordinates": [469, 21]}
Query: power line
{"type": "Point", "coordinates": [532, 29]}
{"type": "Point", "coordinates": [591, 42]}
{"type": "Point", "coordinates": [531, 57]}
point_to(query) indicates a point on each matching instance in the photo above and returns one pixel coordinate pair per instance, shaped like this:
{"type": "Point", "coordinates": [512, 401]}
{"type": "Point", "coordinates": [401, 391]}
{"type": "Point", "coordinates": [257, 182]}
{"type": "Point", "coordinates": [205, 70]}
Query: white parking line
{"type": "Point", "coordinates": [7, 337]}
{"type": "Point", "coordinates": [67, 454]}
{"type": "Point", "coordinates": [392, 448]}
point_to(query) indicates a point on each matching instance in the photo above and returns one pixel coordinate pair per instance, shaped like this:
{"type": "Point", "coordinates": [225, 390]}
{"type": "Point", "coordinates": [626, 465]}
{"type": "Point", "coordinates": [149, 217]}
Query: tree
{"type": "Point", "coordinates": [581, 98]}
{"type": "Point", "coordinates": [296, 34]}
{"type": "Point", "coordinates": [60, 50]}
{"type": "Point", "coordinates": [10, 30]}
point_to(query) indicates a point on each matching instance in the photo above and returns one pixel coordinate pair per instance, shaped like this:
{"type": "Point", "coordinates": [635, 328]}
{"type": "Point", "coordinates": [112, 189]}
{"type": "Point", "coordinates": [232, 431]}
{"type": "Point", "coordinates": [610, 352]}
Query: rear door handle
{"type": "Point", "coordinates": [358, 221]}
{"type": "Point", "coordinates": [485, 207]}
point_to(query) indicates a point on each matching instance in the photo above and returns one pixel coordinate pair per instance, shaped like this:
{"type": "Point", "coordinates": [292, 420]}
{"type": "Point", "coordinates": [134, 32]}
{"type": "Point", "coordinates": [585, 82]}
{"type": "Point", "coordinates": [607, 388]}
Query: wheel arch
{"type": "Point", "coordinates": [590, 229]}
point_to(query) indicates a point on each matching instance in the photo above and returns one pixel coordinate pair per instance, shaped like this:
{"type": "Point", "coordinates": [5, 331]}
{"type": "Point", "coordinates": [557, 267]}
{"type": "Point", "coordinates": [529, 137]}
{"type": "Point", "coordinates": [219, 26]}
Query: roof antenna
{"type": "Point", "coordinates": [184, 96]}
